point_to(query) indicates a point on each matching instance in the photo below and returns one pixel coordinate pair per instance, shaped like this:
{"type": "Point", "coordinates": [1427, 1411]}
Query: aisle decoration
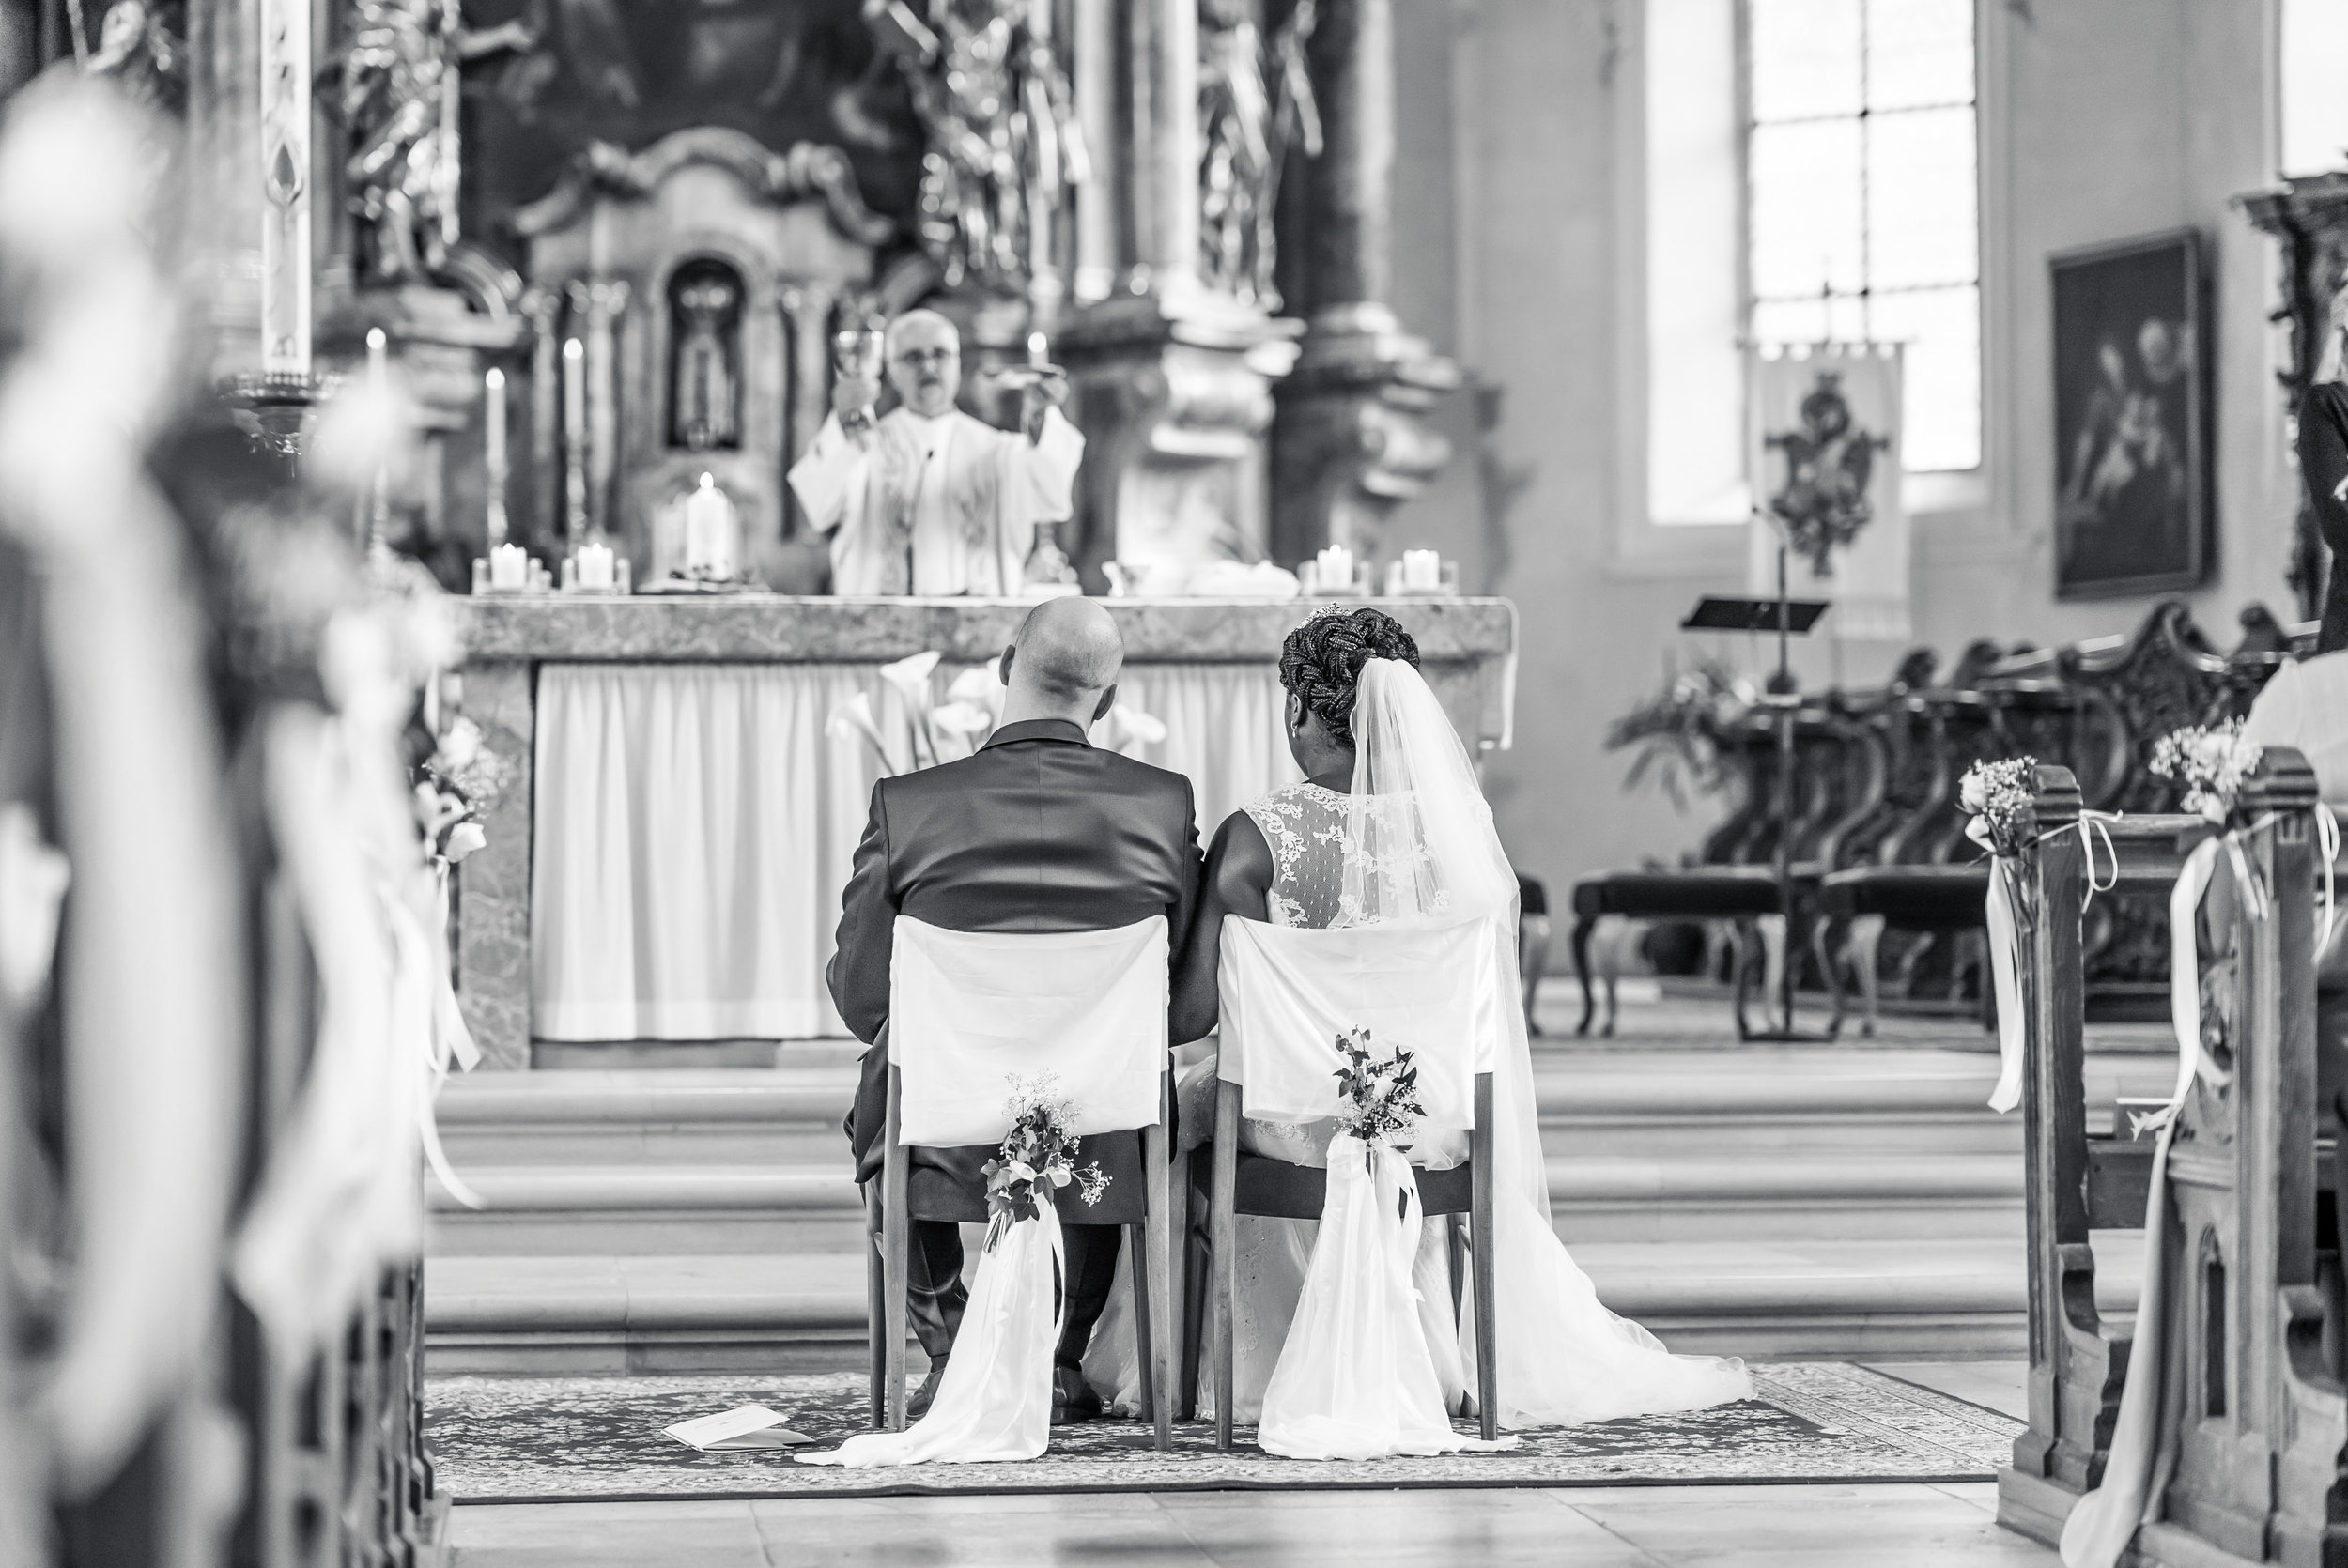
{"type": "Point", "coordinates": [2213, 763]}
{"type": "Point", "coordinates": [995, 1401]}
{"type": "Point", "coordinates": [1355, 1378]}
{"type": "Point", "coordinates": [1998, 797]}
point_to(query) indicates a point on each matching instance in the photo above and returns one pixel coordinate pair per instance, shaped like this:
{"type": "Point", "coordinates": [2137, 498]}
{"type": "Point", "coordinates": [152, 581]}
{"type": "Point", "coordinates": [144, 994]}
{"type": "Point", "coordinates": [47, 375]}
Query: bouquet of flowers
{"type": "Point", "coordinates": [1997, 797]}
{"type": "Point", "coordinates": [462, 780]}
{"type": "Point", "coordinates": [1381, 1091]}
{"type": "Point", "coordinates": [1038, 1154]}
{"type": "Point", "coordinates": [2211, 762]}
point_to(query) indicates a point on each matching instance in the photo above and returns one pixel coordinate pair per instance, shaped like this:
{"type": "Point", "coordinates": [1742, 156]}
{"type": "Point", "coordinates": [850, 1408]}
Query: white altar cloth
{"type": "Point", "coordinates": [695, 828]}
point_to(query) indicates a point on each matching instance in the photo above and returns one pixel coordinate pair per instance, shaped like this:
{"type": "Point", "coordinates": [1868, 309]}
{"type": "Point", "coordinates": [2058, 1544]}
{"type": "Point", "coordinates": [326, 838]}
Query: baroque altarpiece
{"type": "Point", "coordinates": [652, 218]}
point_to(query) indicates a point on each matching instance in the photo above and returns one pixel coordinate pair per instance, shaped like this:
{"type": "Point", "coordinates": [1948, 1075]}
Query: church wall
{"type": "Point", "coordinates": [2102, 119]}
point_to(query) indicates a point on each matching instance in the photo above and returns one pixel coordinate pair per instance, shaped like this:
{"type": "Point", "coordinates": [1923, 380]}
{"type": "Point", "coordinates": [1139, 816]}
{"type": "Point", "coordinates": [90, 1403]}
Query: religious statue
{"type": "Point", "coordinates": [1004, 146]}
{"type": "Point", "coordinates": [1247, 132]}
{"type": "Point", "coordinates": [1829, 464]}
{"type": "Point", "coordinates": [704, 375]}
{"type": "Point", "coordinates": [140, 49]}
{"type": "Point", "coordinates": [400, 82]}
{"type": "Point", "coordinates": [928, 500]}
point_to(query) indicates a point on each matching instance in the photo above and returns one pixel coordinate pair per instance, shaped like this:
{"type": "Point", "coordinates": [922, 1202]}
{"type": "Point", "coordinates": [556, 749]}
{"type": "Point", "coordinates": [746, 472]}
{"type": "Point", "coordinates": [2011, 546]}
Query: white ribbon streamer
{"type": "Point", "coordinates": [2006, 974]}
{"type": "Point", "coordinates": [995, 1401]}
{"type": "Point", "coordinates": [1355, 1379]}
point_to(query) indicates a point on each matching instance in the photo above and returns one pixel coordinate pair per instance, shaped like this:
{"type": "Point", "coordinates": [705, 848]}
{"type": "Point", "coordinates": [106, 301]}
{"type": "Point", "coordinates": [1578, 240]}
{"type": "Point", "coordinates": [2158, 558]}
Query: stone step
{"type": "Point", "coordinates": [735, 1312]}
{"type": "Point", "coordinates": [713, 1208]}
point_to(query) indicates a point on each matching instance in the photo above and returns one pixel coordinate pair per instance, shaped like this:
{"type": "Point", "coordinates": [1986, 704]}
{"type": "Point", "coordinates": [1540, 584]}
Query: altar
{"type": "Point", "coordinates": [665, 860]}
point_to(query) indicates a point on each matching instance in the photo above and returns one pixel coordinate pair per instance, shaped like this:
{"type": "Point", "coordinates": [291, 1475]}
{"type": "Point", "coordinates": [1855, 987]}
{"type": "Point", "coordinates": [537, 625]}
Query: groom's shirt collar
{"type": "Point", "coordinates": [1065, 731]}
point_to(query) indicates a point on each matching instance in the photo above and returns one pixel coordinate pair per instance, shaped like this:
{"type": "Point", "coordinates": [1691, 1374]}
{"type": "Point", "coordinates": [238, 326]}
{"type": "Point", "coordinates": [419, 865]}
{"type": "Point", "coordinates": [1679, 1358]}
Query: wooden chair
{"type": "Point", "coordinates": [1258, 1185]}
{"type": "Point", "coordinates": [909, 1192]}
{"type": "Point", "coordinates": [2255, 1412]}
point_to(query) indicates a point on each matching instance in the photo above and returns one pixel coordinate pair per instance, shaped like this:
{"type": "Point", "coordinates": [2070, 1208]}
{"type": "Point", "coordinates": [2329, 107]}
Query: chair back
{"type": "Point", "coordinates": [1287, 993]}
{"type": "Point", "coordinates": [969, 1011]}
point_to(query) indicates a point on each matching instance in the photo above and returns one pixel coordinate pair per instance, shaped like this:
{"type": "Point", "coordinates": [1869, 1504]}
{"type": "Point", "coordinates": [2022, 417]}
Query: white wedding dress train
{"type": "Point", "coordinates": [1414, 843]}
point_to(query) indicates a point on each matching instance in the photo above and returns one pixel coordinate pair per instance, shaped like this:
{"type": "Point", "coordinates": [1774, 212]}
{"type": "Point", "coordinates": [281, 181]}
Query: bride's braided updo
{"type": "Point", "coordinates": [1321, 661]}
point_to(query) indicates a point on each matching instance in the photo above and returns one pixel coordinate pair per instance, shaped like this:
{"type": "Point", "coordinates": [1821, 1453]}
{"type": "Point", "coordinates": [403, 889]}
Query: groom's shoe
{"type": "Point", "coordinates": [1073, 1399]}
{"type": "Point", "coordinates": [919, 1406]}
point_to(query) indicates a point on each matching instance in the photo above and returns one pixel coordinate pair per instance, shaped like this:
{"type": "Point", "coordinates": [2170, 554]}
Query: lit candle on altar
{"type": "Point", "coordinates": [1422, 571]}
{"type": "Point", "coordinates": [509, 568]}
{"type": "Point", "coordinates": [495, 455]}
{"type": "Point", "coordinates": [709, 529]}
{"type": "Point", "coordinates": [574, 437]}
{"type": "Point", "coordinates": [1038, 352]}
{"type": "Point", "coordinates": [380, 388]}
{"type": "Point", "coordinates": [595, 565]}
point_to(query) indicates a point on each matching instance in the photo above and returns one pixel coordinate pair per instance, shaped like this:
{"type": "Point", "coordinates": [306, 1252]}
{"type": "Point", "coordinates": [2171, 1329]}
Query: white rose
{"type": "Point", "coordinates": [460, 745]}
{"type": "Point", "coordinates": [1973, 793]}
{"type": "Point", "coordinates": [463, 839]}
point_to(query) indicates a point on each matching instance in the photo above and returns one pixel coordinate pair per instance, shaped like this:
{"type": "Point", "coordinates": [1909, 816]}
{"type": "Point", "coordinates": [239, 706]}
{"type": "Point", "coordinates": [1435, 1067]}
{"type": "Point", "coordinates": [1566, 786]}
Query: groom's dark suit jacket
{"type": "Point", "coordinates": [1038, 832]}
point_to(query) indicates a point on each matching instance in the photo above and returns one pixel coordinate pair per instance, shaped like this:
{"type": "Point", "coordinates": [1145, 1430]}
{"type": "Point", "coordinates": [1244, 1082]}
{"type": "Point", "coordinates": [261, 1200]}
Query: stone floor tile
{"type": "Point", "coordinates": [606, 1535]}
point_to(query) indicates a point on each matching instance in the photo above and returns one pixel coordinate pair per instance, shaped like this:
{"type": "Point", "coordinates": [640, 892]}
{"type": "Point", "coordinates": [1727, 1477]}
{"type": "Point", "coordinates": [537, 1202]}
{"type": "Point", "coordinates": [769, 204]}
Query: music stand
{"type": "Point", "coordinates": [1789, 619]}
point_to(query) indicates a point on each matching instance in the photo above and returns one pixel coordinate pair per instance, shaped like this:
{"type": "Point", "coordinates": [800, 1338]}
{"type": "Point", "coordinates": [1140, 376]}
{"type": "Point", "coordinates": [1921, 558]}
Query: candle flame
{"type": "Point", "coordinates": [573, 348]}
{"type": "Point", "coordinates": [376, 340]}
{"type": "Point", "coordinates": [496, 378]}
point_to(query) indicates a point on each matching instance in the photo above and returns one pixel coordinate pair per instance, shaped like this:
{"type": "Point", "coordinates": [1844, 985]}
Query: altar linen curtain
{"type": "Point", "coordinates": [695, 827]}
{"type": "Point", "coordinates": [969, 1011]}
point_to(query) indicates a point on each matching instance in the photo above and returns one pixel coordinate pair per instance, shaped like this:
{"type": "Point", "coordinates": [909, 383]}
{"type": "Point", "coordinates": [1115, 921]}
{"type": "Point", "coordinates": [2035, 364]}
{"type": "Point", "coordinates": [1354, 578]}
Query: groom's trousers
{"type": "Point", "coordinates": [935, 1294]}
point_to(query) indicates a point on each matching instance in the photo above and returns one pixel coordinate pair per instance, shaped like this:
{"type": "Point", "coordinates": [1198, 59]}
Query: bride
{"type": "Point", "coordinates": [1390, 825]}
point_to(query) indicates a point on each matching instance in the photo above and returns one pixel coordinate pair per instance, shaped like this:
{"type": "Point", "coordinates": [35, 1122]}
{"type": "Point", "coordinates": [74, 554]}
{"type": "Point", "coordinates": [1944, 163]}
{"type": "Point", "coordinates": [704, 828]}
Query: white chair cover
{"type": "Point", "coordinates": [1289, 991]}
{"type": "Point", "coordinates": [1356, 1378]}
{"type": "Point", "coordinates": [970, 1010]}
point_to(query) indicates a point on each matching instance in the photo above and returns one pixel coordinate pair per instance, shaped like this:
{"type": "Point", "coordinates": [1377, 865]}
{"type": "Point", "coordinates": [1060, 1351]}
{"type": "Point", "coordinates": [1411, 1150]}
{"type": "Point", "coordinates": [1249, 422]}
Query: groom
{"type": "Point", "coordinates": [1038, 832]}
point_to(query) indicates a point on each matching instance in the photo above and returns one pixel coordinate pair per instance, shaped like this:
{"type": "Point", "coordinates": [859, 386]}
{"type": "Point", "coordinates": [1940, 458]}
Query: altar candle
{"type": "Point", "coordinates": [1038, 352]}
{"type": "Point", "coordinates": [284, 174]}
{"type": "Point", "coordinates": [708, 519]}
{"type": "Point", "coordinates": [509, 567]}
{"type": "Point", "coordinates": [494, 456]}
{"type": "Point", "coordinates": [574, 437]}
{"type": "Point", "coordinates": [595, 565]}
{"type": "Point", "coordinates": [1422, 571]}
{"type": "Point", "coordinates": [380, 388]}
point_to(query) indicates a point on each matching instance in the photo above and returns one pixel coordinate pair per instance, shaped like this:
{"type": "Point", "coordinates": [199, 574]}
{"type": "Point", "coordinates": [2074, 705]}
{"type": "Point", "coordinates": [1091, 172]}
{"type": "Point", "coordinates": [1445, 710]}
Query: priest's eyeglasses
{"type": "Point", "coordinates": [940, 355]}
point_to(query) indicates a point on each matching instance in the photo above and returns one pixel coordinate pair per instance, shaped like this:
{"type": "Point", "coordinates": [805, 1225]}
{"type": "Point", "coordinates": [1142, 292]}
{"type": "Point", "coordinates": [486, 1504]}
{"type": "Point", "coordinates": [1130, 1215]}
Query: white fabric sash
{"type": "Point", "coordinates": [1355, 1378]}
{"type": "Point", "coordinates": [1287, 993]}
{"type": "Point", "coordinates": [995, 1400]}
{"type": "Point", "coordinates": [970, 1010]}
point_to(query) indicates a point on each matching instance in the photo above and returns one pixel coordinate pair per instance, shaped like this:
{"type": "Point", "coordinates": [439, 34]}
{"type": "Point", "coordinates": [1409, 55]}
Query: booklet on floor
{"type": "Point", "coordinates": [752, 1427]}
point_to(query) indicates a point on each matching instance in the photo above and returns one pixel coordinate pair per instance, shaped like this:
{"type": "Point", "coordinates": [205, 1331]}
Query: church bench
{"type": "Point", "coordinates": [2254, 1409]}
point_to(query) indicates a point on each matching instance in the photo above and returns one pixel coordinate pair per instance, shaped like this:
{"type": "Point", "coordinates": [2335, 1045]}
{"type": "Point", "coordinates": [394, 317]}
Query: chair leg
{"type": "Point", "coordinates": [1738, 965]}
{"type": "Point", "coordinates": [1455, 1234]}
{"type": "Point", "coordinates": [1865, 949]}
{"type": "Point", "coordinates": [1197, 1274]}
{"type": "Point", "coordinates": [1156, 1303]}
{"type": "Point", "coordinates": [1531, 963]}
{"type": "Point", "coordinates": [874, 1293]}
{"type": "Point", "coordinates": [1583, 926]}
{"type": "Point", "coordinates": [1226, 1245]}
{"type": "Point", "coordinates": [1822, 953]}
{"type": "Point", "coordinates": [894, 1228]}
{"type": "Point", "coordinates": [1138, 1259]}
{"type": "Point", "coordinates": [1481, 1244]}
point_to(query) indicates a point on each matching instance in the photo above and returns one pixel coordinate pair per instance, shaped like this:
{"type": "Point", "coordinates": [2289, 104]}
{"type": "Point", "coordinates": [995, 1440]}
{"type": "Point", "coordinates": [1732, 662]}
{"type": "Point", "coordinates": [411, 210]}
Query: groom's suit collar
{"type": "Point", "coordinates": [1062, 731]}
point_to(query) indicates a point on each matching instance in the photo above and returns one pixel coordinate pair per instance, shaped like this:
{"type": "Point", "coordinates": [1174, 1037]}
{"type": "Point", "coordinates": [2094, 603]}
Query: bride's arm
{"type": "Point", "coordinates": [1237, 879]}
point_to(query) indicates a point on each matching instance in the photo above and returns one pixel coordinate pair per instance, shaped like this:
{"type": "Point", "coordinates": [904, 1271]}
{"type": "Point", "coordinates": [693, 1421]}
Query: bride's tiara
{"type": "Point", "coordinates": [1323, 613]}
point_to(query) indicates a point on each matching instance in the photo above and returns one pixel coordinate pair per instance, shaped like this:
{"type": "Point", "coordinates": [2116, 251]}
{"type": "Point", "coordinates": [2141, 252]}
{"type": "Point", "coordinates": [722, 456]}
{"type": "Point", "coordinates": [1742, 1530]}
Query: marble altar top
{"type": "Point", "coordinates": [773, 628]}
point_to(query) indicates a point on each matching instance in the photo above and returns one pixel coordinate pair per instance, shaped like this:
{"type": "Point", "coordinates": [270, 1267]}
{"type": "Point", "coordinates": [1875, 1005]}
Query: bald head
{"type": "Point", "coordinates": [1064, 663]}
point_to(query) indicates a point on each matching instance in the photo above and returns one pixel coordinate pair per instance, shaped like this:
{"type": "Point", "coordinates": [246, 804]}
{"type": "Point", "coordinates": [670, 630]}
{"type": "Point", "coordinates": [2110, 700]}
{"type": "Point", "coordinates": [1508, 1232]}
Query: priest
{"type": "Point", "coordinates": [929, 501]}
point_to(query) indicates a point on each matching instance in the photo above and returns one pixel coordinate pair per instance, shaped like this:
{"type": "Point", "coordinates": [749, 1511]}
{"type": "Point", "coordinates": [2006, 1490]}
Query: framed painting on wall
{"type": "Point", "coordinates": [2133, 511]}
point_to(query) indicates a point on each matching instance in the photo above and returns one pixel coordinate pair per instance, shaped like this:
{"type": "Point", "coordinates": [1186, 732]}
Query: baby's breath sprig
{"type": "Point", "coordinates": [2212, 761]}
{"type": "Point", "coordinates": [1997, 797]}
{"type": "Point", "coordinates": [1037, 1155]}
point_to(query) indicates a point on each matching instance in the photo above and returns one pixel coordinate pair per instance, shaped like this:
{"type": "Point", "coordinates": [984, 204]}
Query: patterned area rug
{"type": "Point", "coordinates": [568, 1439]}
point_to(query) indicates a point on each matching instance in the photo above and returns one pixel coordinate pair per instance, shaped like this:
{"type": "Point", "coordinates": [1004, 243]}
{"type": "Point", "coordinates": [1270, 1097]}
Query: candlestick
{"type": "Point", "coordinates": [494, 457]}
{"type": "Point", "coordinates": [574, 438]}
{"type": "Point", "coordinates": [285, 177]}
{"type": "Point", "coordinates": [379, 390]}
{"type": "Point", "coordinates": [709, 531]}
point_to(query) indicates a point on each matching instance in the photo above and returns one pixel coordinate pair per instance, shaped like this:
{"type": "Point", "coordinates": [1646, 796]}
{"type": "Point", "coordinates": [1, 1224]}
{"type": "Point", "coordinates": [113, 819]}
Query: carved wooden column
{"type": "Point", "coordinates": [1351, 442]}
{"type": "Point", "coordinates": [1171, 380]}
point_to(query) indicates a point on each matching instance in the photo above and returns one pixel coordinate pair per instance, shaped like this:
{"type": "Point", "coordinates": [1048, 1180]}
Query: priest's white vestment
{"type": "Point", "coordinates": [939, 506]}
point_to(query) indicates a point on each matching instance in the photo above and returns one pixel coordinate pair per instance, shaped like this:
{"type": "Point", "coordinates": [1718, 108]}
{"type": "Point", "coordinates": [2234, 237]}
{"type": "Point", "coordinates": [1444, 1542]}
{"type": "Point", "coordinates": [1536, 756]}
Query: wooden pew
{"type": "Point", "coordinates": [2258, 1419]}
